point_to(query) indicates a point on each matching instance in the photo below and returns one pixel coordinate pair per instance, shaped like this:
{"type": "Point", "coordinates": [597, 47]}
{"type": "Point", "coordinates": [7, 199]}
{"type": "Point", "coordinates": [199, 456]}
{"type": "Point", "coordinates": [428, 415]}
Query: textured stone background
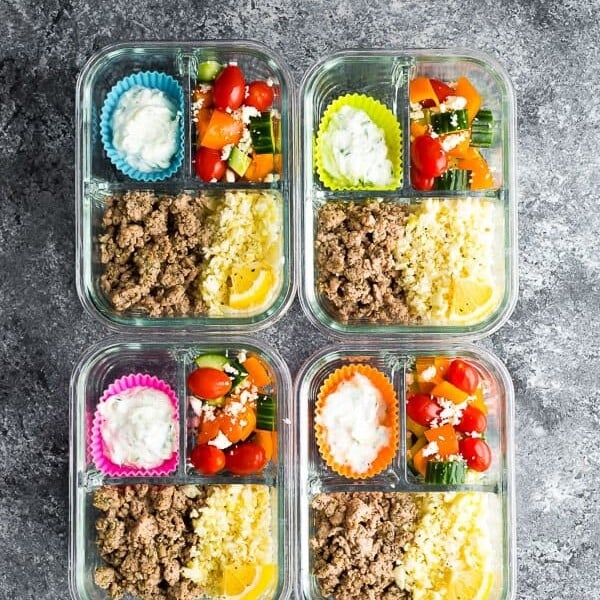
{"type": "Point", "coordinates": [550, 345]}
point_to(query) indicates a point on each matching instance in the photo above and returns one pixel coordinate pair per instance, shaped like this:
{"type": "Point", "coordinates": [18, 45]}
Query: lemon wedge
{"type": "Point", "coordinates": [248, 582]}
{"type": "Point", "coordinates": [251, 285]}
{"type": "Point", "coordinates": [470, 585]}
{"type": "Point", "coordinates": [471, 301]}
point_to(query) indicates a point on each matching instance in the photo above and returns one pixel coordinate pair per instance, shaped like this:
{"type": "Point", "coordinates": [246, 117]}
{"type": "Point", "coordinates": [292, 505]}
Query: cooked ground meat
{"type": "Point", "coordinates": [356, 271]}
{"type": "Point", "coordinates": [144, 537]}
{"type": "Point", "coordinates": [151, 249]}
{"type": "Point", "coordinates": [358, 539]}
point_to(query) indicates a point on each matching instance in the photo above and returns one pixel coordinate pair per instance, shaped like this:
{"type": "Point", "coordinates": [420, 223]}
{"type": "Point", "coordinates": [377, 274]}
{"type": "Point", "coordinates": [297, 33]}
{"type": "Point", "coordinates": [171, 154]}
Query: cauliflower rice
{"type": "Point", "coordinates": [445, 240]}
{"type": "Point", "coordinates": [247, 230]}
{"type": "Point", "coordinates": [234, 529]}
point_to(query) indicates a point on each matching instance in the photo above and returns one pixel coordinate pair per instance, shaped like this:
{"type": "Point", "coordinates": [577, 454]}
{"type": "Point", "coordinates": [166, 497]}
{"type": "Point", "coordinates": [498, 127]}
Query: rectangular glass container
{"type": "Point", "coordinates": [395, 361]}
{"type": "Point", "coordinates": [329, 295]}
{"type": "Point", "coordinates": [171, 360]}
{"type": "Point", "coordinates": [97, 179]}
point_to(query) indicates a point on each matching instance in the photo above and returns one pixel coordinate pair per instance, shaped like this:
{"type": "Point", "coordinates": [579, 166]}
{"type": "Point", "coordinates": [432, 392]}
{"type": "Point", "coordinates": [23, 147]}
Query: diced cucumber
{"type": "Point", "coordinates": [266, 413]}
{"type": "Point", "coordinates": [215, 361]}
{"type": "Point", "coordinates": [450, 121]}
{"type": "Point", "coordinates": [208, 70]}
{"type": "Point", "coordinates": [262, 133]}
{"type": "Point", "coordinates": [230, 366]}
{"type": "Point", "coordinates": [453, 180]}
{"type": "Point", "coordinates": [449, 472]}
{"type": "Point", "coordinates": [238, 161]}
{"type": "Point", "coordinates": [482, 133]}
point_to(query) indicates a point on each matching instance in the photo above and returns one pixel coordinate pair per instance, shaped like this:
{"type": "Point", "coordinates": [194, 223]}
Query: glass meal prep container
{"type": "Point", "coordinates": [244, 512]}
{"type": "Point", "coordinates": [421, 241]}
{"type": "Point", "coordinates": [382, 525]}
{"type": "Point", "coordinates": [205, 241]}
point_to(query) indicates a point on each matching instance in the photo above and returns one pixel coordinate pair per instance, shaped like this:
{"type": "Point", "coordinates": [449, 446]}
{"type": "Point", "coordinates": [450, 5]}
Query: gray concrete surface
{"type": "Point", "coordinates": [550, 344]}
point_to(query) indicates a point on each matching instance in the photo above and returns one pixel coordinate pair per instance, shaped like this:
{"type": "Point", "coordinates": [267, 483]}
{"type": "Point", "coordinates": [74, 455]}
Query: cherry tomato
{"type": "Point", "coordinates": [476, 452]}
{"type": "Point", "coordinates": [209, 165]}
{"type": "Point", "coordinates": [428, 156]}
{"type": "Point", "coordinates": [208, 383]}
{"type": "Point", "coordinates": [472, 420]}
{"type": "Point", "coordinates": [463, 376]}
{"type": "Point", "coordinates": [245, 458]}
{"type": "Point", "coordinates": [229, 88]}
{"type": "Point", "coordinates": [207, 459]}
{"type": "Point", "coordinates": [441, 89]}
{"type": "Point", "coordinates": [260, 95]}
{"type": "Point", "coordinates": [420, 181]}
{"type": "Point", "coordinates": [422, 409]}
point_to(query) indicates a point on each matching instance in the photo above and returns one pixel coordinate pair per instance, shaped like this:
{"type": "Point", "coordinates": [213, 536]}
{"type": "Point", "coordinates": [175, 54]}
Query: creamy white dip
{"type": "Point", "coordinates": [144, 125]}
{"type": "Point", "coordinates": [352, 417]}
{"type": "Point", "coordinates": [138, 427]}
{"type": "Point", "coordinates": [353, 149]}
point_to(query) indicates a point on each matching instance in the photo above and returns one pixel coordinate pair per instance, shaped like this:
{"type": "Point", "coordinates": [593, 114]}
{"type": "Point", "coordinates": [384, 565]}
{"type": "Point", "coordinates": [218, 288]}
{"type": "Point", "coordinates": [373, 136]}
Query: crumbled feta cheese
{"type": "Point", "coordinates": [431, 449]}
{"type": "Point", "coordinates": [455, 102]}
{"type": "Point", "coordinates": [221, 441]}
{"type": "Point", "coordinates": [454, 139]}
{"type": "Point", "coordinates": [249, 111]}
{"type": "Point", "coordinates": [429, 373]}
{"type": "Point", "coordinates": [226, 151]}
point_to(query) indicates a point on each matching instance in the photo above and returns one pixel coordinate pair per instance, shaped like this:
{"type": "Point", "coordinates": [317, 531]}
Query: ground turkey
{"type": "Point", "coordinates": [151, 249]}
{"type": "Point", "coordinates": [356, 272]}
{"type": "Point", "coordinates": [357, 542]}
{"type": "Point", "coordinates": [144, 536]}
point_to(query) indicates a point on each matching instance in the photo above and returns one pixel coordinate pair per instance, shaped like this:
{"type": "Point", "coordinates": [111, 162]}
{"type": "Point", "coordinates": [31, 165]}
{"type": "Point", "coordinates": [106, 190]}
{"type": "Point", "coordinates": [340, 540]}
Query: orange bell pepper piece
{"type": "Point", "coordinates": [481, 175]}
{"type": "Point", "coordinates": [257, 372]}
{"type": "Point", "coordinates": [446, 439]}
{"type": "Point", "coordinates": [466, 89]}
{"type": "Point", "coordinates": [417, 129]}
{"type": "Point", "coordinates": [260, 167]}
{"type": "Point", "coordinates": [420, 89]}
{"type": "Point", "coordinates": [446, 390]}
{"type": "Point", "coordinates": [222, 129]}
{"type": "Point", "coordinates": [208, 430]}
{"type": "Point", "coordinates": [265, 439]}
{"type": "Point", "coordinates": [479, 401]}
{"type": "Point", "coordinates": [202, 119]}
{"type": "Point", "coordinates": [420, 462]}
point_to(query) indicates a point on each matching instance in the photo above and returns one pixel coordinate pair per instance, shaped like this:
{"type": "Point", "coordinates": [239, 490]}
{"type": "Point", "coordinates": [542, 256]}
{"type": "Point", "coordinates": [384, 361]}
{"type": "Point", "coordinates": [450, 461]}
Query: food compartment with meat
{"type": "Point", "coordinates": [389, 532]}
{"type": "Point", "coordinates": [147, 531]}
{"type": "Point", "coordinates": [208, 244]}
{"type": "Point", "coordinates": [433, 254]}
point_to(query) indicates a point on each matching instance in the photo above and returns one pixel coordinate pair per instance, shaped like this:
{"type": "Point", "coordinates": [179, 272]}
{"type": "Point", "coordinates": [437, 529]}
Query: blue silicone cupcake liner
{"type": "Point", "coordinates": [152, 80]}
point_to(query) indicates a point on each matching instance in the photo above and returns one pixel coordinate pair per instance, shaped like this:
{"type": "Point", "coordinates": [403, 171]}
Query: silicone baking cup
{"type": "Point", "coordinates": [383, 117]}
{"type": "Point", "coordinates": [388, 397]}
{"type": "Point", "coordinates": [151, 80]}
{"type": "Point", "coordinates": [97, 450]}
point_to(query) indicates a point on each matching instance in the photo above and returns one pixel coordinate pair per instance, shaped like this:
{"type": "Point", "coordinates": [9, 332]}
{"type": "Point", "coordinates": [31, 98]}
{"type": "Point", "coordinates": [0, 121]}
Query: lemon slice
{"type": "Point", "coordinates": [250, 286]}
{"type": "Point", "coordinates": [470, 585]}
{"type": "Point", "coordinates": [248, 582]}
{"type": "Point", "coordinates": [471, 300]}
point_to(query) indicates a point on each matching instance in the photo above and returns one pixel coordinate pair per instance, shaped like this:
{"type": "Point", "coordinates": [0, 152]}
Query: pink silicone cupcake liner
{"type": "Point", "coordinates": [101, 460]}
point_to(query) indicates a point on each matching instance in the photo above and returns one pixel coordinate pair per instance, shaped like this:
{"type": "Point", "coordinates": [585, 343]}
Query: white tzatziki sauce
{"type": "Point", "coordinates": [145, 125]}
{"type": "Point", "coordinates": [138, 427]}
{"type": "Point", "coordinates": [353, 149]}
{"type": "Point", "coordinates": [352, 417]}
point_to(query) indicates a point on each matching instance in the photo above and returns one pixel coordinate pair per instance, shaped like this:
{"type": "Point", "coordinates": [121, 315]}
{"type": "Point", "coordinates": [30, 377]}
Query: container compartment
{"type": "Point", "coordinates": [387, 76]}
{"type": "Point", "coordinates": [493, 490]}
{"type": "Point", "coordinates": [170, 359]}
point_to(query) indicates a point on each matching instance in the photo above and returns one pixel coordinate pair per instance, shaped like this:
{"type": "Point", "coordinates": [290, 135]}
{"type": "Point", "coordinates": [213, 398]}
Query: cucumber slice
{"type": "Point", "coordinates": [215, 361]}
{"type": "Point", "coordinates": [238, 161]}
{"type": "Point", "coordinates": [450, 121]}
{"type": "Point", "coordinates": [266, 413]}
{"type": "Point", "coordinates": [208, 70]}
{"type": "Point", "coordinates": [453, 180]}
{"type": "Point", "coordinates": [482, 134]}
{"type": "Point", "coordinates": [451, 472]}
{"type": "Point", "coordinates": [262, 133]}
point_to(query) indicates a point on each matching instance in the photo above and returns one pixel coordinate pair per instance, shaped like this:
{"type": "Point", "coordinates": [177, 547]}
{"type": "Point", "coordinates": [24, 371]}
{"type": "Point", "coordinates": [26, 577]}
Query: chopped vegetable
{"type": "Point", "coordinates": [450, 472]}
{"type": "Point", "coordinates": [257, 371]}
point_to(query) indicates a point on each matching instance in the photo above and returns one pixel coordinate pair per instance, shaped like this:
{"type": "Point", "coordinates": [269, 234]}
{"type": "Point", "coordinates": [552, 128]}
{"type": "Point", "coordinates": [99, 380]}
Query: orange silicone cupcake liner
{"type": "Point", "coordinates": [388, 396]}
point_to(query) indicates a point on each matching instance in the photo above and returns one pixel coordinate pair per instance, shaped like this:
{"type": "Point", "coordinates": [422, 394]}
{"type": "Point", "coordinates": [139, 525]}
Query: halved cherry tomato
{"type": "Point", "coordinates": [441, 89]}
{"type": "Point", "coordinates": [207, 459]}
{"type": "Point", "coordinates": [209, 165]}
{"type": "Point", "coordinates": [245, 458]}
{"type": "Point", "coordinates": [462, 375]}
{"type": "Point", "coordinates": [260, 95]}
{"type": "Point", "coordinates": [422, 409]}
{"type": "Point", "coordinates": [208, 383]}
{"type": "Point", "coordinates": [472, 420]}
{"type": "Point", "coordinates": [229, 88]}
{"type": "Point", "coordinates": [476, 452]}
{"type": "Point", "coordinates": [420, 181]}
{"type": "Point", "coordinates": [428, 155]}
